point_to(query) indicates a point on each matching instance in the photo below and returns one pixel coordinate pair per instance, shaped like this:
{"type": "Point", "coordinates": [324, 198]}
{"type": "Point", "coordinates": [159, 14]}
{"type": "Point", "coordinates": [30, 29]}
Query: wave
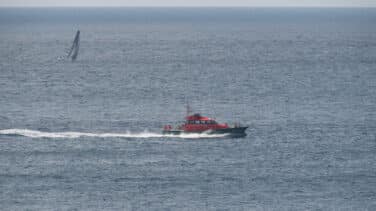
{"type": "Point", "coordinates": [72, 135]}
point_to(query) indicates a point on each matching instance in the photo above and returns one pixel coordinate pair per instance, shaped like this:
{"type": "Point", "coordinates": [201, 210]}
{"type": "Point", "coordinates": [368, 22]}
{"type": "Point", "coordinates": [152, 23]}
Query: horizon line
{"type": "Point", "coordinates": [171, 6]}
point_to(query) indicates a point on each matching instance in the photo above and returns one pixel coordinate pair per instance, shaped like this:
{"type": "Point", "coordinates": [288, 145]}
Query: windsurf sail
{"type": "Point", "coordinates": [73, 52]}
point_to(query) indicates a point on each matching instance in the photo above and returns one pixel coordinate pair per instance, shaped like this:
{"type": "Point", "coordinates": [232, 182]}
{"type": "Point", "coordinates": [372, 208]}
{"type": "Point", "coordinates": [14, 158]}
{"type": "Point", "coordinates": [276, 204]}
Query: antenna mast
{"type": "Point", "coordinates": [188, 109]}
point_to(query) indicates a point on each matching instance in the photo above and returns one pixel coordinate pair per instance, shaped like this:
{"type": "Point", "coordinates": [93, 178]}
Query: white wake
{"type": "Point", "coordinates": [41, 134]}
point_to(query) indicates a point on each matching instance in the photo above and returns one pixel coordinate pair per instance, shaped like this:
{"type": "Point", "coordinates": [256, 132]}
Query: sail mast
{"type": "Point", "coordinates": [73, 52]}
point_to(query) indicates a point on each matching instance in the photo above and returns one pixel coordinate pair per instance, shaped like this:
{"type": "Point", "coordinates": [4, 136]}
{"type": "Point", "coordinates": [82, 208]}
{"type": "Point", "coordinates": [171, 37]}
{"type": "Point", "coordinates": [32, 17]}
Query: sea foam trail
{"type": "Point", "coordinates": [41, 134]}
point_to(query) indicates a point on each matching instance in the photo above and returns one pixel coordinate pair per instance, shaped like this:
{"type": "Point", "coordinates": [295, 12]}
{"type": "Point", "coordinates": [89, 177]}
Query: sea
{"type": "Point", "coordinates": [86, 135]}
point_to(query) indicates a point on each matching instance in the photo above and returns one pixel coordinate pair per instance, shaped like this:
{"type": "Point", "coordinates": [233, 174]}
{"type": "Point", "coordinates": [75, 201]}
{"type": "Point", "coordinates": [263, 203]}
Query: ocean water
{"type": "Point", "coordinates": [86, 135]}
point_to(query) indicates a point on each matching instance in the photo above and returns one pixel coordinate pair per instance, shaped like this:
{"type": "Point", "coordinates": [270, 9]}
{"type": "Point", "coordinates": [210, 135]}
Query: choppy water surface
{"type": "Point", "coordinates": [86, 135]}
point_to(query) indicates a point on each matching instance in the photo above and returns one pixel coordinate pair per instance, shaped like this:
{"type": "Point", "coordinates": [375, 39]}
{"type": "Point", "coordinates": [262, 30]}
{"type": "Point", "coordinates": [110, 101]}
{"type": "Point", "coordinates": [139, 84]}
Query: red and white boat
{"type": "Point", "coordinates": [200, 124]}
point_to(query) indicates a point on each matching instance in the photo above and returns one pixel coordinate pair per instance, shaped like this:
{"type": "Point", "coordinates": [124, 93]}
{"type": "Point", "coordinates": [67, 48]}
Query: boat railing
{"type": "Point", "coordinates": [237, 124]}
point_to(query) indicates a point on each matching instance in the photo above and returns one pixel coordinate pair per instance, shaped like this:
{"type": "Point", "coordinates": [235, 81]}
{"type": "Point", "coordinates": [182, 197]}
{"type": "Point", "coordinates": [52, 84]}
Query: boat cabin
{"type": "Point", "coordinates": [197, 122]}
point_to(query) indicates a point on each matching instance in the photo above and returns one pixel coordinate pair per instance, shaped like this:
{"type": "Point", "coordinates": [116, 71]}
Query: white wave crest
{"type": "Point", "coordinates": [41, 134]}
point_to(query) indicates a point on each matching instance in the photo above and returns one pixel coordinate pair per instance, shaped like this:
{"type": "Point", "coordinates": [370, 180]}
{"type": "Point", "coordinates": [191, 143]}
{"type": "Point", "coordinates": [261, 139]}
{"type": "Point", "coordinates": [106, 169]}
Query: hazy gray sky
{"type": "Point", "coordinates": [218, 3]}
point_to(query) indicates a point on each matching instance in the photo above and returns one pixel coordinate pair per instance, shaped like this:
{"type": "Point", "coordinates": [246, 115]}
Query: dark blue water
{"type": "Point", "coordinates": [86, 135]}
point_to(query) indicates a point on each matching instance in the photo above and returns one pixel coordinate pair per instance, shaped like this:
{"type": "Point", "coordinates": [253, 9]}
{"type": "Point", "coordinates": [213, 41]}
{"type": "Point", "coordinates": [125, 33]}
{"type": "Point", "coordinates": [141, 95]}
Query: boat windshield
{"type": "Point", "coordinates": [201, 122]}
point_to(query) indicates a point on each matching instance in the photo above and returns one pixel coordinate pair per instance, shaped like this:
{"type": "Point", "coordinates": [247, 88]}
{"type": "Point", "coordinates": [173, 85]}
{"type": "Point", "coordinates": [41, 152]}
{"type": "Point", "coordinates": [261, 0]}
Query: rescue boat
{"type": "Point", "coordinates": [200, 124]}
